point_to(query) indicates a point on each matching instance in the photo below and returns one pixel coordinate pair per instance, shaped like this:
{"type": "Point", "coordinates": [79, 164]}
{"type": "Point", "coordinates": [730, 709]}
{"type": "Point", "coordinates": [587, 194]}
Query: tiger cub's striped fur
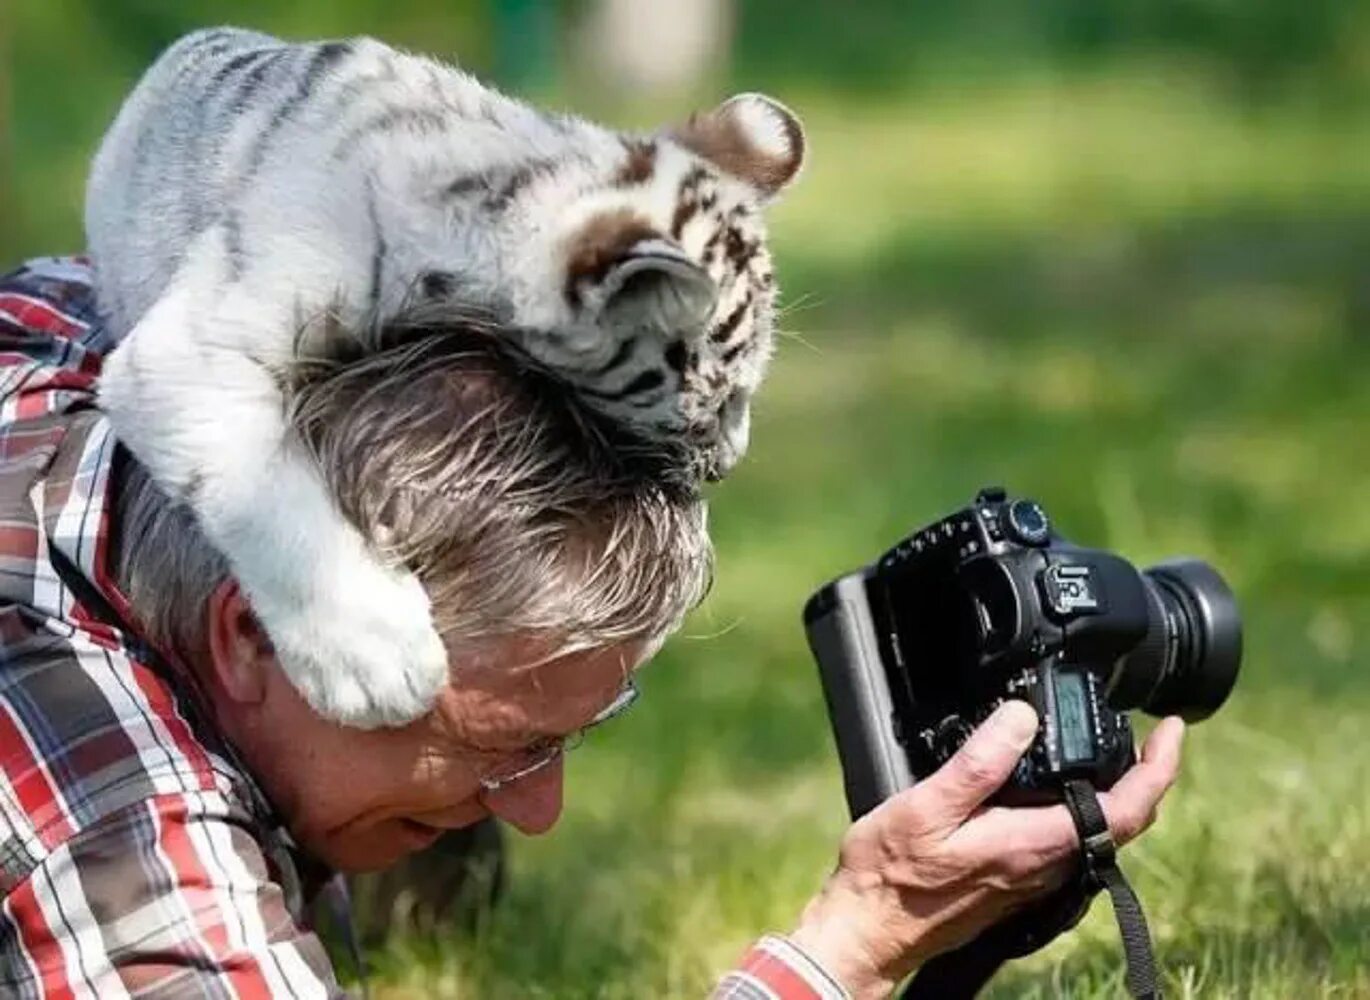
{"type": "Point", "coordinates": [249, 187]}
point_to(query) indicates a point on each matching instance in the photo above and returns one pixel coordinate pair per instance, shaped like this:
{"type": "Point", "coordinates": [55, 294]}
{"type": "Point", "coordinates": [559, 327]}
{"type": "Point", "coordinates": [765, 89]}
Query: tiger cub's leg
{"type": "Point", "coordinates": [190, 391]}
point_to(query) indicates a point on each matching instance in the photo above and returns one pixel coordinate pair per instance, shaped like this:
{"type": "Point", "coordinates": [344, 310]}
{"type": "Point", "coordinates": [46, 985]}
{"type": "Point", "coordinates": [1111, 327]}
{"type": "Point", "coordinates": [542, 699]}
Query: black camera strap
{"type": "Point", "coordinates": [962, 973]}
{"type": "Point", "coordinates": [1101, 871]}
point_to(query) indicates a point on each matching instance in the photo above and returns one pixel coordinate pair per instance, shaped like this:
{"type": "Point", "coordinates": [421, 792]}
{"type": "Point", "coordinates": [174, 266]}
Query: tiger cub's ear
{"type": "Point", "coordinates": [753, 137]}
{"type": "Point", "coordinates": [636, 279]}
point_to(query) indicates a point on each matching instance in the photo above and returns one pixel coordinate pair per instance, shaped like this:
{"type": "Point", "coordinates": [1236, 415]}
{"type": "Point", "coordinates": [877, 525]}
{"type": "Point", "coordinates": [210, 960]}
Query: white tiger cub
{"type": "Point", "coordinates": [253, 195]}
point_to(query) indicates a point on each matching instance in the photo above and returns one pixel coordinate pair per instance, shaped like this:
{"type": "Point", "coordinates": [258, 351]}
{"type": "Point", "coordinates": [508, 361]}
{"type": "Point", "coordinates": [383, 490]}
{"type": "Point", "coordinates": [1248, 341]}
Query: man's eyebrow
{"type": "Point", "coordinates": [532, 737]}
{"type": "Point", "coordinates": [513, 743]}
{"type": "Point", "coordinates": [543, 736]}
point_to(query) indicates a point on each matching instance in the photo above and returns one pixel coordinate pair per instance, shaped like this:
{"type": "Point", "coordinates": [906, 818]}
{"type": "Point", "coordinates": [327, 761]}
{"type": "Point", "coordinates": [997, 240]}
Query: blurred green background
{"type": "Point", "coordinates": [1114, 254]}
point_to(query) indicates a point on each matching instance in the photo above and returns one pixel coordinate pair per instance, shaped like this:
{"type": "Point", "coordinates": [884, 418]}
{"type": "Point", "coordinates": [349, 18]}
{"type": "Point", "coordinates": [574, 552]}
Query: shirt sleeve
{"type": "Point", "coordinates": [774, 969]}
{"type": "Point", "coordinates": [172, 896]}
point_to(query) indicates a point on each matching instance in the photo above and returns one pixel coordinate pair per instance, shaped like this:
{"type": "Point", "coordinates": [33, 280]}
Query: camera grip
{"type": "Point", "coordinates": [842, 637]}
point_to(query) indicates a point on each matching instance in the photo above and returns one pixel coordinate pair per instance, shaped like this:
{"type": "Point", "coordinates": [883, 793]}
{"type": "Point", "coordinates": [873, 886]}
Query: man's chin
{"type": "Point", "coordinates": [378, 847]}
{"type": "Point", "coordinates": [381, 845]}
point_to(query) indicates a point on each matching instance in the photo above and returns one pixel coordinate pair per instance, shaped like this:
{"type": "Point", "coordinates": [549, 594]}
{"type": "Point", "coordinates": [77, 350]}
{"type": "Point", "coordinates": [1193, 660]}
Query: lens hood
{"type": "Point", "coordinates": [1199, 687]}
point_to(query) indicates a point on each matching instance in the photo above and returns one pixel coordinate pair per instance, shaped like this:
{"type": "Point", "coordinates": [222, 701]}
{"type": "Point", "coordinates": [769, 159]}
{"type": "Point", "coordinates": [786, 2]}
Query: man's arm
{"type": "Point", "coordinates": [932, 867]}
{"type": "Point", "coordinates": [169, 897]}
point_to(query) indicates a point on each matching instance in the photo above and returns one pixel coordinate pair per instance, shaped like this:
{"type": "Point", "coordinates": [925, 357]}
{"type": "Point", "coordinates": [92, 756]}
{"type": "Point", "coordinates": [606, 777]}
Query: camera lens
{"type": "Point", "coordinates": [1187, 662]}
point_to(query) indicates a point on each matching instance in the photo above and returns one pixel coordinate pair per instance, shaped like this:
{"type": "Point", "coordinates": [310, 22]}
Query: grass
{"type": "Point", "coordinates": [1118, 293]}
{"type": "Point", "coordinates": [1120, 297]}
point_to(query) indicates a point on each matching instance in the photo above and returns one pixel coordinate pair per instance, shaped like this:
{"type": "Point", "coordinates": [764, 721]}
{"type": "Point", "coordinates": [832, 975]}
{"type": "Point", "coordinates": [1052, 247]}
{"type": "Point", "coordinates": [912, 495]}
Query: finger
{"type": "Point", "coordinates": [1023, 837]}
{"type": "Point", "coordinates": [980, 767]}
{"type": "Point", "coordinates": [1019, 838]}
{"type": "Point", "coordinates": [1130, 805]}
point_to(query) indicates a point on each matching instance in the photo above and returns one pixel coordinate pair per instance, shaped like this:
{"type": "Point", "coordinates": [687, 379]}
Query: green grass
{"type": "Point", "coordinates": [1151, 313]}
{"type": "Point", "coordinates": [1119, 293]}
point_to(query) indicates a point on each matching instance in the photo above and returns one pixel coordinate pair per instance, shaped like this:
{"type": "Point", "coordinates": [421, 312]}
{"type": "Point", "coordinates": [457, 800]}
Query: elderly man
{"type": "Point", "coordinates": [169, 803]}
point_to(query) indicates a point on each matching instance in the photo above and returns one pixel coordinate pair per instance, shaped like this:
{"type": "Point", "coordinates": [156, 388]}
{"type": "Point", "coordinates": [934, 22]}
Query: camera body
{"type": "Point", "coordinates": [990, 603]}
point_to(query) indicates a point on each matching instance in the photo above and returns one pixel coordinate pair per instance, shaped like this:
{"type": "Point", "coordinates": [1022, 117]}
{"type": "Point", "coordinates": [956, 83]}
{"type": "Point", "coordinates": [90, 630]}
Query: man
{"type": "Point", "coordinates": [169, 803]}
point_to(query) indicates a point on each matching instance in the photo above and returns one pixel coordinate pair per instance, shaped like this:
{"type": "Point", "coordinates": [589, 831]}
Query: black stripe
{"type": "Point", "coordinates": [517, 180]}
{"type": "Point", "coordinates": [468, 184]}
{"type": "Point", "coordinates": [211, 39]}
{"type": "Point", "coordinates": [677, 356]}
{"type": "Point", "coordinates": [234, 65]}
{"type": "Point", "coordinates": [325, 56]}
{"type": "Point", "coordinates": [709, 253]}
{"type": "Point", "coordinates": [751, 250]}
{"type": "Point", "coordinates": [195, 484]}
{"type": "Point", "coordinates": [684, 212]}
{"type": "Point", "coordinates": [255, 77]}
{"type": "Point", "coordinates": [651, 379]}
{"type": "Point", "coordinates": [377, 255]}
{"type": "Point", "coordinates": [423, 120]}
{"type": "Point", "coordinates": [730, 323]}
{"type": "Point", "coordinates": [208, 35]}
{"type": "Point", "coordinates": [732, 352]}
{"type": "Point", "coordinates": [621, 355]}
{"type": "Point", "coordinates": [438, 284]}
{"type": "Point", "coordinates": [738, 249]}
{"type": "Point", "coordinates": [233, 244]}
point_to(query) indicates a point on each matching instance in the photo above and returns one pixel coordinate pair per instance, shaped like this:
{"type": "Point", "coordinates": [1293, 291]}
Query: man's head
{"type": "Point", "coordinates": [556, 559]}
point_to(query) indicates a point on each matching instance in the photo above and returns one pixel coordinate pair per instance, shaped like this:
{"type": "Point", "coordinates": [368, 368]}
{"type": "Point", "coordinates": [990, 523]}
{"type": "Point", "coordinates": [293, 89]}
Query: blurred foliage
{"type": "Point", "coordinates": [1259, 47]}
{"type": "Point", "coordinates": [66, 63]}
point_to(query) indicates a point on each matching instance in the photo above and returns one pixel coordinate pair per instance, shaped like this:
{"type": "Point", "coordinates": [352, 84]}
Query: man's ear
{"type": "Point", "coordinates": [751, 136]}
{"type": "Point", "coordinates": [240, 653]}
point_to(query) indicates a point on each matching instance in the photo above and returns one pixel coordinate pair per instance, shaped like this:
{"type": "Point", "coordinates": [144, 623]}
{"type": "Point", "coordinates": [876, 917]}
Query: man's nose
{"type": "Point", "coordinates": [532, 804]}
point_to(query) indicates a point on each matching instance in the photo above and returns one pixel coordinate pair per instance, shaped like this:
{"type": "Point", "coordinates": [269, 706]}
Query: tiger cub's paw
{"type": "Point", "coordinates": [362, 650]}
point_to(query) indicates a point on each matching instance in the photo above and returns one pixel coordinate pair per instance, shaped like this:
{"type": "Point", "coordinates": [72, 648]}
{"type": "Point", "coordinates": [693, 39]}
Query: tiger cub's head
{"type": "Point", "coordinates": [638, 267]}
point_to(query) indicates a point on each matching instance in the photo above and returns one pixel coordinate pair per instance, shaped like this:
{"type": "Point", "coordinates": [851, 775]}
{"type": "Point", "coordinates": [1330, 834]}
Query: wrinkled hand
{"type": "Point", "coordinates": [932, 867]}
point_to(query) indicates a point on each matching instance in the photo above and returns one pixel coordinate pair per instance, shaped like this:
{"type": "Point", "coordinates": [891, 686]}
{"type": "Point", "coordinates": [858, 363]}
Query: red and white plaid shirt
{"type": "Point", "coordinates": [138, 857]}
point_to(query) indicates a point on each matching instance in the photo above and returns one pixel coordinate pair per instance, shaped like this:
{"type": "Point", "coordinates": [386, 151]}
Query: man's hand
{"type": "Point", "coordinates": [931, 867]}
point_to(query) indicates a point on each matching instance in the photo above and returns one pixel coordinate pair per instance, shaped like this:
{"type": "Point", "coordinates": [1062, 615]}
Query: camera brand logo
{"type": "Point", "coordinates": [1070, 589]}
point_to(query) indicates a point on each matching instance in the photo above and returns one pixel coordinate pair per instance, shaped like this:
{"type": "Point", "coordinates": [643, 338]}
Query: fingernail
{"type": "Point", "coordinates": [1017, 720]}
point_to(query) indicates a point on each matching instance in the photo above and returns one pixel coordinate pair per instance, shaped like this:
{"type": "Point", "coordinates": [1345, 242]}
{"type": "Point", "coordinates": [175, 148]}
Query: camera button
{"type": "Point", "coordinates": [948, 736]}
{"type": "Point", "coordinates": [1028, 522]}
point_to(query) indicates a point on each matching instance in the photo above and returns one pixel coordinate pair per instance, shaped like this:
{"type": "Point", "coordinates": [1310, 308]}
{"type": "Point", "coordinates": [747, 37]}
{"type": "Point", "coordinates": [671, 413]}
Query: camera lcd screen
{"type": "Point", "coordinates": [1072, 716]}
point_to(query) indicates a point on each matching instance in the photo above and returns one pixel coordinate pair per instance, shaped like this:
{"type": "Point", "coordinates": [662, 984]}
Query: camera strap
{"type": "Point", "coordinates": [1101, 871]}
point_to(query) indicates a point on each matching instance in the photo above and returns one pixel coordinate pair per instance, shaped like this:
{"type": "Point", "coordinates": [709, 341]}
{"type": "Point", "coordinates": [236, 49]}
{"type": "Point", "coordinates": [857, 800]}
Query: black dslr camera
{"type": "Point", "coordinates": [990, 604]}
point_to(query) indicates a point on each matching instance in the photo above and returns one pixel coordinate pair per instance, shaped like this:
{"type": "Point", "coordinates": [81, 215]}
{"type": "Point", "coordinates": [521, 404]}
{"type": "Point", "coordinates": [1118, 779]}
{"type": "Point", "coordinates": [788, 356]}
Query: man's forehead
{"type": "Point", "coordinates": [524, 661]}
{"type": "Point", "coordinates": [527, 694]}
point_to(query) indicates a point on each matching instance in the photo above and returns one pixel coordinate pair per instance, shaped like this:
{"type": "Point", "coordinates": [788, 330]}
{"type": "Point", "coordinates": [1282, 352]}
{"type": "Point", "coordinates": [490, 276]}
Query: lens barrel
{"type": "Point", "coordinates": [1187, 662]}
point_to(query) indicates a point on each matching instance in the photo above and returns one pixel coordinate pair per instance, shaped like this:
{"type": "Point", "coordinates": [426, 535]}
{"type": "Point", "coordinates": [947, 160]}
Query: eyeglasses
{"type": "Point", "coordinates": [545, 752]}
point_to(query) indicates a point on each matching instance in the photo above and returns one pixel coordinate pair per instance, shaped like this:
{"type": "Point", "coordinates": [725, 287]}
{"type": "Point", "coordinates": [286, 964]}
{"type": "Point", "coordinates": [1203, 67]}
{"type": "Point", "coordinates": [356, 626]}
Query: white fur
{"type": "Point", "coordinates": [214, 248]}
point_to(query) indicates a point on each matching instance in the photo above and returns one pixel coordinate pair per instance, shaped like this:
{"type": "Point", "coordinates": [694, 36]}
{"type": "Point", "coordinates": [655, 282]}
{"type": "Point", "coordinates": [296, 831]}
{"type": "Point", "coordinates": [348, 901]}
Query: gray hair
{"type": "Point", "coordinates": [519, 512]}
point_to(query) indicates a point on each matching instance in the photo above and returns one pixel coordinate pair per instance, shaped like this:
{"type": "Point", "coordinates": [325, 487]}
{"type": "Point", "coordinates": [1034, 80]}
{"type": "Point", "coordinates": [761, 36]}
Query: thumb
{"type": "Point", "coordinates": [981, 766]}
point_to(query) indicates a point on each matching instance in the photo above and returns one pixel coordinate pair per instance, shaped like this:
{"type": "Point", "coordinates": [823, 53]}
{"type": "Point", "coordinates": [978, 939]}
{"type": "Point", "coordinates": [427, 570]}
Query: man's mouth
{"type": "Point", "coordinates": [464, 815]}
{"type": "Point", "coordinates": [419, 835]}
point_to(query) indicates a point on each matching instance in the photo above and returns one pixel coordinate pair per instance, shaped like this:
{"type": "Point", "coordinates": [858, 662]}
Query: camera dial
{"type": "Point", "coordinates": [1028, 522]}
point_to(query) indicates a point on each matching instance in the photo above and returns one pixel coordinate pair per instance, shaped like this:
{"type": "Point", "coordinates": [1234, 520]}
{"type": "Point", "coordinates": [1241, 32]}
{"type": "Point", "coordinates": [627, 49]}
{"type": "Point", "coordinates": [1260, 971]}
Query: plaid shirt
{"type": "Point", "coordinates": [138, 857]}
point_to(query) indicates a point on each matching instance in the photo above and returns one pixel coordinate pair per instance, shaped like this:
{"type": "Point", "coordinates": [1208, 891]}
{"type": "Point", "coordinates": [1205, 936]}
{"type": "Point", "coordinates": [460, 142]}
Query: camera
{"type": "Point", "coordinates": [990, 603]}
